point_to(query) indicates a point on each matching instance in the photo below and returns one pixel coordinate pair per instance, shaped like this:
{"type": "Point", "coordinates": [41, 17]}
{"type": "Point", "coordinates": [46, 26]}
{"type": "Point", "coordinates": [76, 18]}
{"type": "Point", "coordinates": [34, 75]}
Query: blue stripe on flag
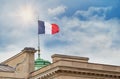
{"type": "Point", "coordinates": [41, 27]}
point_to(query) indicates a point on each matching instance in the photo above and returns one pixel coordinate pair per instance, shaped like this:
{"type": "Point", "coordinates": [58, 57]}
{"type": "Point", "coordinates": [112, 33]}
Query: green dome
{"type": "Point", "coordinates": [39, 63]}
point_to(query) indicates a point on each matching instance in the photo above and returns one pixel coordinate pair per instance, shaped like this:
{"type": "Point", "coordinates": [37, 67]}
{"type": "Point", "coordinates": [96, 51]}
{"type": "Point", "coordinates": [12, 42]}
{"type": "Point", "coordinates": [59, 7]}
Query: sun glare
{"type": "Point", "coordinates": [26, 13]}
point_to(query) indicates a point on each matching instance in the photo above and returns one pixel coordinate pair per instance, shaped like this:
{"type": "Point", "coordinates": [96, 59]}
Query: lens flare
{"type": "Point", "coordinates": [26, 13]}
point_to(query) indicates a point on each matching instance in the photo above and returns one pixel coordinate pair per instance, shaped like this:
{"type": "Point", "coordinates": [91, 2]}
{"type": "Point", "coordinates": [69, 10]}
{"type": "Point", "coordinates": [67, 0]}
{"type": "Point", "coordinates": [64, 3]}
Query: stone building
{"type": "Point", "coordinates": [23, 66]}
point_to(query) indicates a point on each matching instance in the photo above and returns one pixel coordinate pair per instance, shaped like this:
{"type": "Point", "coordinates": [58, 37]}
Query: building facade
{"type": "Point", "coordinates": [22, 66]}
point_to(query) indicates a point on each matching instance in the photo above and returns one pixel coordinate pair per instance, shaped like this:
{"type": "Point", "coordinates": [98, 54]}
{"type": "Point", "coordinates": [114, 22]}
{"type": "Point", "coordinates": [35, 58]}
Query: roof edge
{"type": "Point", "coordinates": [24, 50]}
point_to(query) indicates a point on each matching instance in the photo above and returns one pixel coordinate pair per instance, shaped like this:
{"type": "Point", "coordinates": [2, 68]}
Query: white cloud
{"type": "Point", "coordinates": [57, 10]}
{"type": "Point", "coordinates": [92, 37]}
{"type": "Point", "coordinates": [15, 33]}
{"type": "Point", "coordinates": [93, 12]}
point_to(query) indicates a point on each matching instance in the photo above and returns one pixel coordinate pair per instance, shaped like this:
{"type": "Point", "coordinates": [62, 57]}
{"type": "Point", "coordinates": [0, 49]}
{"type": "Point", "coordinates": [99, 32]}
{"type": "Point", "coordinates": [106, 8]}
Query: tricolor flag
{"type": "Point", "coordinates": [47, 28]}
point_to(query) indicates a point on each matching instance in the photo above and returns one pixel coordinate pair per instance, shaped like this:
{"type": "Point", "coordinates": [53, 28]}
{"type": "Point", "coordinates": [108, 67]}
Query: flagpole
{"type": "Point", "coordinates": [38, 43]}
{"type": "Point", "coordinates": [38, 46]}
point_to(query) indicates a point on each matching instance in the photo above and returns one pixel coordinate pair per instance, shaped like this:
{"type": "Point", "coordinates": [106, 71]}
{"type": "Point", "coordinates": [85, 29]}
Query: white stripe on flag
{"type": "Point", "coordinates": [48, 28]}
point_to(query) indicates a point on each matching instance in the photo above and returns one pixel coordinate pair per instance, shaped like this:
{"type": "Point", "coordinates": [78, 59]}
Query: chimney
{"type": "Point", "coordinates": [29, 58]}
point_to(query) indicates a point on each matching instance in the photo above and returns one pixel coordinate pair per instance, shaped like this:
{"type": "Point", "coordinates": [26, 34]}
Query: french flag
{"type": "Point", "coordinates": [47, 28]}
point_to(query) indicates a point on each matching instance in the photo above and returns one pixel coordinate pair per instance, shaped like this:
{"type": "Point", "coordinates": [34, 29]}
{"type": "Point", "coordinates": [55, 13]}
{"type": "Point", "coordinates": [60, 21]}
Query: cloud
{"type": "Point", "coordinates": [15, 33]}
{"type": "Point", "coordinates": [57, 10]}
{"type": "Point", "coordinates": [92, 37]}
{"type": "Point", "coordinates": [93, 12]}
{"type": "Point", "coordinates": [86, 32]}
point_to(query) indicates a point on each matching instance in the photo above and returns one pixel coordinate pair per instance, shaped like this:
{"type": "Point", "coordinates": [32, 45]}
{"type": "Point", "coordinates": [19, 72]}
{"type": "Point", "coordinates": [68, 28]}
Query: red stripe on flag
{"type": "Point", "coordinates": [55, 28]}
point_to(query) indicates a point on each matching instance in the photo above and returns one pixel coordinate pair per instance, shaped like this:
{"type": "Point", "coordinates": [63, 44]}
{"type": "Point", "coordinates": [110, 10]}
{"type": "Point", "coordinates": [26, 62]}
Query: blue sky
{"type": "Point", "coordinates": [88, 28]}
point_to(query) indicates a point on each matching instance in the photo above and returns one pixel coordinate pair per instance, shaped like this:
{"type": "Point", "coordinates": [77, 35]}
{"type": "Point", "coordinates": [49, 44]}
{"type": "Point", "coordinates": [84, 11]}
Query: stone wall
{"type": "Point", "coordinates": [22, 62]}
{"type": "Point", "coordinates": [73, 67]}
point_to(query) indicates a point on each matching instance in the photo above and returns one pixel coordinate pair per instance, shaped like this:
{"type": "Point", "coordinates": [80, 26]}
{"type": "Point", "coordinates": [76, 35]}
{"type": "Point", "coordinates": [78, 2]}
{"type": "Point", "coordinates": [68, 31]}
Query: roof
{"type": "Point", "coordinates": [6, 68]}
{"type": "Point", "coordinates": [39, 63]}
{"type": "Point", "coordinates": [26, 49]}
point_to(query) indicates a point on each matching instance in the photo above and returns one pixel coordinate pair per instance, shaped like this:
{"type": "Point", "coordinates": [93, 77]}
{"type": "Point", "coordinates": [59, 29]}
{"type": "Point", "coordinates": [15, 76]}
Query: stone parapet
{"type": "Point", "coordinates": [58, 57]}
{"type": "Point", "coordinates": [72, 69]}
{"type": "Point", "coordinates": [23, 63]}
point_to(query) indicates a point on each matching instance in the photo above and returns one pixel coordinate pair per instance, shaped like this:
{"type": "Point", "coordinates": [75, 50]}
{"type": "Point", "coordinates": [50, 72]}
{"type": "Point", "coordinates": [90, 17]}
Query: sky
{"type": "Point", "coordinates": [88, 28]}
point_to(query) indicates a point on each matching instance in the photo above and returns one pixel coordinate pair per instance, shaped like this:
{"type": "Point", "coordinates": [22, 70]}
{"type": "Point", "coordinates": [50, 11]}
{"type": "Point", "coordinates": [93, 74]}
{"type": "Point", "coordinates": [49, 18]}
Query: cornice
{"type": "Point", "coordinates": [61, 70]}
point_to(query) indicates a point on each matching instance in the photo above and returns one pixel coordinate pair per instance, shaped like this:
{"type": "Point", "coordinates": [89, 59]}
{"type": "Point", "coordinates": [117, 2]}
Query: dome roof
{"type": "Point", "coordinates": [39, 63]}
